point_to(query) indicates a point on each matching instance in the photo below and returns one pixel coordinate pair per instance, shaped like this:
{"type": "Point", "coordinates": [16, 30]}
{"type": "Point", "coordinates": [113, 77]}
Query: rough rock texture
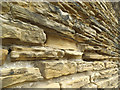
{"type": "Point", "coordinates": [76, 82]}
{"type": "Point", "coordinates": [50, 69]}
{"type": "Point", "coordinates": [35, 53]}
{"type": "Point", "coordinates": [60, 45]}
{"type": "Point", "coordinates": [3, 55]}
{"type": "Point", "coordinates": [13, 76]}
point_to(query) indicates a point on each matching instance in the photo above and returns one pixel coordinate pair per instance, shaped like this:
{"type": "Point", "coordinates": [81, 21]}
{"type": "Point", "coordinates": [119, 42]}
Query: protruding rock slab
{"type": "Point", "coordinates": [75, 53]}
{"type": "Point", "coordinates": [53, 68]}
{"type": "Point", "coordinates": [21, 33]}
{"type": "Point", "coordinates": [99, 50]}
{"type": "Point", "coordinates": [19, 12]}
{"type": "Point", "coordinates": [94, 56]}
{"type": "Point", "coordinates": [71, 54]}
{"type": "Point", "coordinates": [45, 53]}
{"type": "Point", "coordinates": [19, 75]}
{"type": "Point", "coordinates": [35, 53]}
{"type": "Point", "coordinates": [3, 55]}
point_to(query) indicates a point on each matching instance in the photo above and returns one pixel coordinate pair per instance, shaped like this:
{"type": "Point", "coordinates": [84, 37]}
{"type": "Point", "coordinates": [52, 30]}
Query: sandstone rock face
{"type": "Point", "coordinates": [98, 65]}
{"type": "Point", "coordinates": [35, 53]}
{"type": "Point", "coordinates": [56, 41]}
{"type": "Point", "coordinates": [95, 76]}
{"type": "Point", "coordinates": [14, 76]}
{"type": "Point", "coordinates": [75, 53]}
{"type": "Point", "coordinates": [83, 66]}
{"type": "Point", "coordinates": [59, 45]}
{"type": "Point", "coordinates": [20, 32]}
{"type": "Point", "coordinates": [75, 82]}
{"type": "Point", "coordinates": [21, 13]}
{"type": "Point", "coordinates": [111, 82]}
{"type": "Point", "coordinates": [3, 55]}
{"type": "Point", "coordinates": [90, 86]}
{"type": "Point", "coordinates": [50, 69]}
{"type": "Point", "coordinates": [110, 64]}
{"type": "Point", "coordinates": [94, 56]}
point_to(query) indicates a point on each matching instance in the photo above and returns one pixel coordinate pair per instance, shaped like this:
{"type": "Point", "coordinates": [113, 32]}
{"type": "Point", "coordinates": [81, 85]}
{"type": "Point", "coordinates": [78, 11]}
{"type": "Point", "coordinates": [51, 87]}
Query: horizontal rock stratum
{"type": "Point", "coordinates": [60, 45]}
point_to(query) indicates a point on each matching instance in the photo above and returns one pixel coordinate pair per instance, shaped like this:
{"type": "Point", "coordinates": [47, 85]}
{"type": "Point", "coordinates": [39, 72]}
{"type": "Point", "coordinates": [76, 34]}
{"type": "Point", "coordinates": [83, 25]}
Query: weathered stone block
{"type": "Point", "coordinates": [98, 49]}
{"type": "Point", "coordinates": [35, 53]}
{"type": "Point", "coordinates": [21, 33]}
{"type": "Point", "coordinates": [98, 65]}
{"type": "Point", "coordinates": [20, 75]}
{"type": "Point", "coordinates": [74, 53]}
{"type": "Point", "coordinates": [94, 56]}
{"type": "Point", "coordinates": [56, 40]}
{"type": "Point", "coordinates": [84, 66]}
{"type": "Point", "coordinates": [110, 64]}
{"type": "Point", "coordinates": [75, 82]}
{"type": "Point", "coordinates": [26, 15]}
{"type": "Point", "coordinates": [109, 72]}
{"type": "Point", "coordinates": [106, 83]}
{"type": "Point", "coordinates": [16, 71]}
{"type": "Point", "coordinates": [71, 54]}
{"type": "Point", "coordinates": [103, 74]}
{"type": "Point", "coordinates": [54, 68]}
{"type": "Point", "coordinates": [3, 56]}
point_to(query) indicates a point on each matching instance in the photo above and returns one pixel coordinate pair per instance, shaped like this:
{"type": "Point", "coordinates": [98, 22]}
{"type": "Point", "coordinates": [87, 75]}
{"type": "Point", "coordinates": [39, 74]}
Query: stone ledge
{"type": "Point", "coordinates": [20, 32]}
{"type": "Point", "coordinates": [35, 53]}
{"type": "Point", "coordinates": [39, 53]}
{"type": "Point", "coordinates": [94, 56]}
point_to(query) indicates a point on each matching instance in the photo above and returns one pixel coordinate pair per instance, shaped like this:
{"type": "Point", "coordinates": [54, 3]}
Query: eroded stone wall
{"type": "Point", "coordinates": [59, 45]}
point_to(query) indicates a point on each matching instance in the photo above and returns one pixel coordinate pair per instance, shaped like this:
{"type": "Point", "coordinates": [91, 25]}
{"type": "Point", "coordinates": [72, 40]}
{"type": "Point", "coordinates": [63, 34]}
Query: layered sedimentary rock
{"type": "Point", "coordinates": [59, 45]}
{"type": "Point", "coordinates": [35, 53]}
{"type": "Point", "coordinates": [19, 75]}
{"type": "Point", "coordinates": [57, 68]}
{"type": "Point", "coordinates": [3, 55]}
